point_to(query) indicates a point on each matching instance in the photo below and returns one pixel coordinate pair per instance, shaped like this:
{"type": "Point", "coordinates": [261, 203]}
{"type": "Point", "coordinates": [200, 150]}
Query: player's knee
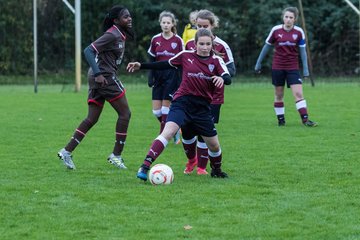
{"type": "Point", "coordinates": [214, 147]}
{"type": "Point", "coordinates": [125, 115]}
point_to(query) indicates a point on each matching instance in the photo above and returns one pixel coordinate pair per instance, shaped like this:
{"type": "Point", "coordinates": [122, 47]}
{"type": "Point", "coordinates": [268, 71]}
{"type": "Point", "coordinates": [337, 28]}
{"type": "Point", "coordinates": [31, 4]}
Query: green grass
{"type": "Point", "coordinates": [285, 183]}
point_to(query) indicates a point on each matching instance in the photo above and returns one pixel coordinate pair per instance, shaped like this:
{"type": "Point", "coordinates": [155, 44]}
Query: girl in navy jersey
{"type": "Point", "coordinates": [288, 40]}
{"type": "Point", "coordinates": [104, 57]}
{"type": "Point", "coordinates": [202, 73]}
{"type": "Point", "coordinates": [207, 19]}
{"type": "Point", "coordinates": [164, 83]}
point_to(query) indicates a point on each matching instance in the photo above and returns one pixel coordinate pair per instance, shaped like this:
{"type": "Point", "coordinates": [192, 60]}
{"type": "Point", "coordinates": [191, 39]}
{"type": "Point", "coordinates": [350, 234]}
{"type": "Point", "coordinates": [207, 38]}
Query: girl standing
{"type": "Point", "coordinates": [104, 56]}
{"type": "Point", "coordinates": [289, 41]}
{"type": "Point", "coordinates": [164, 46]}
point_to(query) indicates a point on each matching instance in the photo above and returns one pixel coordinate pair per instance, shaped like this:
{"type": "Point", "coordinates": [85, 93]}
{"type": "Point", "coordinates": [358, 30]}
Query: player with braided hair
{"type": "Point", "coordinates": [104, 56]}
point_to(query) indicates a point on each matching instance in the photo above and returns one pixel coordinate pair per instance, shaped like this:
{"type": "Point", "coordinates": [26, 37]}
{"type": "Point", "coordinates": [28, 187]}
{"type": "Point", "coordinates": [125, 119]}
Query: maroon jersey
{"type": "Point", "coordinates": [110, 49]}
{"type": "Point", "coordinates": [163, 49]}
{"type": "Point", "coordinates": [197, 73]}
{"type": "Point", "coordinates": [287, 43]}
{"type": "Point", "coordinates": [224, 50]}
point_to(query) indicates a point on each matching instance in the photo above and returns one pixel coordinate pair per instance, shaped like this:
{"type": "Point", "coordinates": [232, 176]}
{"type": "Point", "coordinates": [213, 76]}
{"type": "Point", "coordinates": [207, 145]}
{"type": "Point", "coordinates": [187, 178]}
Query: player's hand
{"type": "Point", "coordinates": [151, 81]}
{"type": "Point", "coordinates": [133, 66]}
{"type": "Point", "coordinates": [218, 81]}
{"type": "Point", "coordinates": [257, 68]}
{"type": "Point", "coordinates": [101, 80]}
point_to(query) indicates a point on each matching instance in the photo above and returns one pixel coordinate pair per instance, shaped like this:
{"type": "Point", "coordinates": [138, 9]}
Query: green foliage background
{"type": "Point", "coordinates": [333, 31]}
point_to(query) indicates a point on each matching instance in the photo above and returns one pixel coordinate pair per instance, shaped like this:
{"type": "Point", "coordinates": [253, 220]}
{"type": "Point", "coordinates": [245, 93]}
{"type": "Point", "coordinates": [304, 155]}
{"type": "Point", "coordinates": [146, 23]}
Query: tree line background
{"type": "Point", "coordinates": [332, 29]}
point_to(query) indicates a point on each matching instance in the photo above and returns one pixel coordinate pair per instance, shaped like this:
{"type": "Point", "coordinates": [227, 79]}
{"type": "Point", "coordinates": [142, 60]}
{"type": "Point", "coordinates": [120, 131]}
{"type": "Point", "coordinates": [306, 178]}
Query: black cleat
{"type": "Point", "coordinates": [281, 123]}
{"type": "Point", "coordinates": [217, 173]}
{"type": "Point", "coordinates": [309, 123]}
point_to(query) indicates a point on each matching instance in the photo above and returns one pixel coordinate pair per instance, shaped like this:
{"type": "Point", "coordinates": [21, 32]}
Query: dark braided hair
{"type": "Point", "coordinates": [116, 12]}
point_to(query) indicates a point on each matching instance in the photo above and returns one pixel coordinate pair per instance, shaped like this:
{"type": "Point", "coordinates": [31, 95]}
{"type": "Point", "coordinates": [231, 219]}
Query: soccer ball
{"type": "Point", "coordinates": [161, 174]}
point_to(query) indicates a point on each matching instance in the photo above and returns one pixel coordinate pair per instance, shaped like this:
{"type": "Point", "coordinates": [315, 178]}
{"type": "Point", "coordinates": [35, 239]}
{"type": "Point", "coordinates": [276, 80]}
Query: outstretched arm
{"type": "Point", "coordinates": [262, 55]}
{"type": "Point", "coordinates": [162, 65]}
{"type": "Point", "coordinates": [151, 73]}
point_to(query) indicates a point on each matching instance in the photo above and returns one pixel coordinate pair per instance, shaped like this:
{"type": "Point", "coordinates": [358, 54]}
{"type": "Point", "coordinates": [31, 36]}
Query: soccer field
{"type": "Point", "coordinates": [291, 182]}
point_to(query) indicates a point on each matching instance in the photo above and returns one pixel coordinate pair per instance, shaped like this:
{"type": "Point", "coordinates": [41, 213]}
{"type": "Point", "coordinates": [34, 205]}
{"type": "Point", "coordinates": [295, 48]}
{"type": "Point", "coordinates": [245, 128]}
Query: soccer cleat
{"type": "Point", "coordinates": [309, 123]}
{"type": "Point", "coordinates": [177, 138]}
{"type": "Point", "coordinates": [281, 123]}
{"type": "Point", "coordinates": [66, 157]}
{"type": "Point", "coordinates": [190, 167]}
{"type": "Point", "coordinates": [116, 161]}
{"type": "Point", "coordinates": [142, 172]}
{"type": "Point", "coordinates": [201, 171]}
{"type": "Point", "coordinates": [217, 173]}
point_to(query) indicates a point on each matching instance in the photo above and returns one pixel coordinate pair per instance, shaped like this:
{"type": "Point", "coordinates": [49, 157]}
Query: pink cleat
{"type": "Point", "coordinates": [201, 171]}
{"type": "Point", "coordinates": [190, 165]}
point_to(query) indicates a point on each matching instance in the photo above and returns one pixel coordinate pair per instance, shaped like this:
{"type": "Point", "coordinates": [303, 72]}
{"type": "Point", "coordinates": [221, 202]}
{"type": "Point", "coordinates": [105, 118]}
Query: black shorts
{"type": "Point", "coordinates": [215, 111]}
{"type": "Point", "coordinates": [165, 84]}
{"type": "Point", "coordinates": [290, 76]}
{"type": "Point", "coordinates": [193, 115]}
{"type": "Point", "coordinates": [111, 92]}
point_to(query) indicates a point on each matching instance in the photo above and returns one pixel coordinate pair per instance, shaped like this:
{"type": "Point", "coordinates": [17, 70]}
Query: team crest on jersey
{"type": "Point", "coordinates": [173, 45]}
{"type": "Point", "coordinates": [294, 36]}
{"type": "Point", "coordinates": [211, 67]}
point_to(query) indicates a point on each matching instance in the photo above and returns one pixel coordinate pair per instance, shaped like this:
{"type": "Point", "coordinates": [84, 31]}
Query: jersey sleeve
{"type": "Point", "coordinates": [302, 41]}
{"type": "Point", "coordinates": [151, 50]}
{"type": "Point", "coordinates": [221, 67]}
{"type": "Point", "coordinates": [102, 42]}
{"type": "Point", "coordinates": [190, 45]}
{"type": "Point", "coordinates": [176, 60]}
{"type": "Point", "coordinates": [271, 37]}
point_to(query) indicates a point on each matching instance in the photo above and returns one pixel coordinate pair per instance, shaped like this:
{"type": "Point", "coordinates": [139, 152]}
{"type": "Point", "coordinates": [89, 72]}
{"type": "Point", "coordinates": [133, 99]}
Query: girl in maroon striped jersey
{"type": "Point", "coordinates": [164, 83]}
{"type": "Point", "coordinates": [104, 56]}
{"type": "Point", "coordinates": [202, 73]}
{"type": "Point", "coordinates": [288, 40]}
{"type": "Point", "coordinates": [207, 19]}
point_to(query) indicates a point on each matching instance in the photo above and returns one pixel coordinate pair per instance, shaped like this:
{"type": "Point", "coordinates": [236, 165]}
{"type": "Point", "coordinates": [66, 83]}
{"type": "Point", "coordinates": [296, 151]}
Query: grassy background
{"type": "Point", "coordinates": [285, 183]}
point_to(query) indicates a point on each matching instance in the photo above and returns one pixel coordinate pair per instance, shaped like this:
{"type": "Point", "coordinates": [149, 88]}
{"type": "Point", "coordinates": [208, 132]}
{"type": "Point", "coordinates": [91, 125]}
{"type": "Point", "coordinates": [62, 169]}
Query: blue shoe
{"type": "Point", "coordinates": [142, 172]}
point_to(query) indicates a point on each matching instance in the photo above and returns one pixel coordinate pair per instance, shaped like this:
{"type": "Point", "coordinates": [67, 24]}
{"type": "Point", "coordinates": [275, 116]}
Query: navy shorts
{"type": "Point", "coordinates": [215, 111]}
{"type": "Point", "coordinates": [291, 77]}
{"type": "Point", "coordinates": [165, 85]}
{"type": "Point", "coordinates": [110, 92]}
{"type": "Point", "coordinates": [193, 115]}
